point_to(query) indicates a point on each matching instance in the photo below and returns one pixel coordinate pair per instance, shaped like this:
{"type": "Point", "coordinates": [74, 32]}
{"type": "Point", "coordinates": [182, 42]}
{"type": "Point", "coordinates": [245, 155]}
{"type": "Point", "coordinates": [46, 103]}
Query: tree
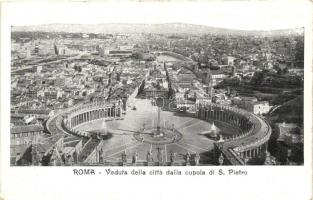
{"type": "Point", "coordinates": [279, 71]}
{"type": "Point", "coordinates": [299, 57]}
{"type": "Point", "coordinates": [285, 70]}
{"type": "Point", "coordinates": [257, 78]}
{"type": "Point", "coordinates": [137, 55]}
{"type": "Point", "coordinates": [78, 68]}
{"type": "Point", "coordinates": [296, 131]}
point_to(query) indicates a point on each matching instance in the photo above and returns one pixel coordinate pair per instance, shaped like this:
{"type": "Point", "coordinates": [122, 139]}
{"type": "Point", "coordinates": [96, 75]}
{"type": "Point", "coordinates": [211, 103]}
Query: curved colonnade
{"type": "Point", "coordinates": [238, 149]}
{"type": "Point", "coordinates": [67, 121]}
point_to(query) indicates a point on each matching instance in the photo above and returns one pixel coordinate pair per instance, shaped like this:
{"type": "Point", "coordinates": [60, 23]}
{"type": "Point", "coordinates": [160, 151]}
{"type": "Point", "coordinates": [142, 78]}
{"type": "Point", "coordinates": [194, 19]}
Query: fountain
{"type": "Point", "coordinates": [104, 127]}
{"type": "Point", "coordinates": [103, 132]}
{"type": "Point", "coordinates": [212, 132]}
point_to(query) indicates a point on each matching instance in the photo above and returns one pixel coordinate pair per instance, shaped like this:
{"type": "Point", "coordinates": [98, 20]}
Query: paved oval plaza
{"type": "Point", "coordinates": [134, 134]}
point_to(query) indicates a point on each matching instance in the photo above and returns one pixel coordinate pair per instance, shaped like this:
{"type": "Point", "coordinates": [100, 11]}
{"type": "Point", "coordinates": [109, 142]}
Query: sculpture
{"type": "Point", "coordinates": [124, 157]}
{"type": "Point", "coordinates": [173, 157]}
{"type": "Point", "coordinates": [197, 159]}
{"type": "Point", "coordinates": [135, 158]}
{"type": "Point", "coordinates": [188, 158]}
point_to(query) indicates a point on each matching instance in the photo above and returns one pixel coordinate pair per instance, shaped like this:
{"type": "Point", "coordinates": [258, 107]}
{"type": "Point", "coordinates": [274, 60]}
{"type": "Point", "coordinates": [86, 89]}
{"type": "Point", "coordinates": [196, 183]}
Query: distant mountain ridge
{"type": "Point", "coordinates": [166, 28]}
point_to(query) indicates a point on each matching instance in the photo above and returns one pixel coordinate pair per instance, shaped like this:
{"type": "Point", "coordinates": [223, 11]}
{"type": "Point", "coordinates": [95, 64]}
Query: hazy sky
{"type": "Point", "coordinates": [243, 15]}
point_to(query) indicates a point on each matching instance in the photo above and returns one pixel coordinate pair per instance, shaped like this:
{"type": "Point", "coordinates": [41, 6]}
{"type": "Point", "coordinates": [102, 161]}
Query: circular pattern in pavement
{"type": "Point", "coordinates": [154, 136]}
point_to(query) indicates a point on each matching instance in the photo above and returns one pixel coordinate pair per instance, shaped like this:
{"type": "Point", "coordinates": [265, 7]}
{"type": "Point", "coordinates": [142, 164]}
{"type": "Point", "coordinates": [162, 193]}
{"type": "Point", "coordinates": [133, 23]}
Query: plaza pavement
{"type": "Point", "coordinates": [122, 140]}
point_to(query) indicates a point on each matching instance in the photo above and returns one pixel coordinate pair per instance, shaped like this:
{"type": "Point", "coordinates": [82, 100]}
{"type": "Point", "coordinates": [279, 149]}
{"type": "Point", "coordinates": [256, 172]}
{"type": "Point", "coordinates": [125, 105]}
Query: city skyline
{"type": "Point", "coordinates": [165, 28]}
{"type": "Point", "coordinates": [217, 14]}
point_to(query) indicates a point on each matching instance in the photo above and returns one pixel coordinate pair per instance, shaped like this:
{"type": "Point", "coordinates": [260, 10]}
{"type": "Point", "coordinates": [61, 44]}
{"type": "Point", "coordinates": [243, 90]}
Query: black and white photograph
{"type": "Point", "coordinates": [156, 94]}
{"type": "Point", "coordinates": [169, 89]}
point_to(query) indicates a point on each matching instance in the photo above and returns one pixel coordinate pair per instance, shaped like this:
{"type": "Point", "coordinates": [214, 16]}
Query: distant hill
{"type": "Point", "coordinates": [167, 28]}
